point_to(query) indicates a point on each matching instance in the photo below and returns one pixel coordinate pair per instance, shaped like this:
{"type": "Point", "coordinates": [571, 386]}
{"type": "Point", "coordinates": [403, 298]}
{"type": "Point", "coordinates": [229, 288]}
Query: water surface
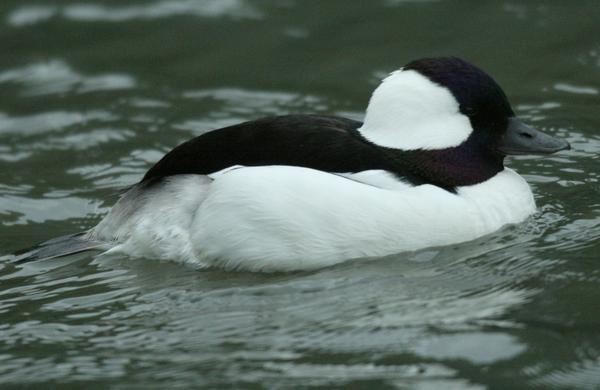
{"type": "Point", "coordinates": [93, 92]}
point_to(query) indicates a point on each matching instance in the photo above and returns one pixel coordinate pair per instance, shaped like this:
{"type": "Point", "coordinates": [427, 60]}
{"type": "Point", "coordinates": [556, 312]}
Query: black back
{"type": "Point", "coordinates": [325, 143]}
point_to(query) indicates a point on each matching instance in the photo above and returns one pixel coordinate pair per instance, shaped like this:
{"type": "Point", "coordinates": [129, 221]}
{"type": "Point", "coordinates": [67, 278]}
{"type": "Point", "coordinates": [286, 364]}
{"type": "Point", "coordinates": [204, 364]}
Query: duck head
{"type": "Point", "coordinates": [449, 122]}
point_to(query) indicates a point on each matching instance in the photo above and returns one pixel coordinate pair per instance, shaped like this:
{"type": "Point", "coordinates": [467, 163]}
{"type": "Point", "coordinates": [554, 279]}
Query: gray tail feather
{"type": "Point", "coordinates": [58, 247]}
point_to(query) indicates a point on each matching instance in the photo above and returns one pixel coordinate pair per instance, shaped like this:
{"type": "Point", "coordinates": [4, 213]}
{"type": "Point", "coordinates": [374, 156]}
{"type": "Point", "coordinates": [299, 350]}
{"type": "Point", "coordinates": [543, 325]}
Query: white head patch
{"type": "Point", "coordinates": [408, 111]}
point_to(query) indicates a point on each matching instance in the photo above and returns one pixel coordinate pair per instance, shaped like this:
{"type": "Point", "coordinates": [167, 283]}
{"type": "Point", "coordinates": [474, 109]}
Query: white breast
{"type": "Point", "coordinates": [289, 218]}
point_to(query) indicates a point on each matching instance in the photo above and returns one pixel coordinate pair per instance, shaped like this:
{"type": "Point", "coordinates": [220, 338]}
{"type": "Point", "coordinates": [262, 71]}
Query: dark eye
{"type": "Point", "coordinates": [468, 111]}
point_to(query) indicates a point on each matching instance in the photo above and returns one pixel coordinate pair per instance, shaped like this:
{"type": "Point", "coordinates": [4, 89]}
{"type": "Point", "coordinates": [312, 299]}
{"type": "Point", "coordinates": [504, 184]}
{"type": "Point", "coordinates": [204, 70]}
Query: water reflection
{"type": "Point", "coordinates": [57, 77]}
{"type": "Point", "coordinates": [36, 124]}
{"type": "Point", "coordinates": [90, 12]}
{"type": "Point", "coordinates": [19, 210]}
{"type": "Point", "coordinates": [577, 89]}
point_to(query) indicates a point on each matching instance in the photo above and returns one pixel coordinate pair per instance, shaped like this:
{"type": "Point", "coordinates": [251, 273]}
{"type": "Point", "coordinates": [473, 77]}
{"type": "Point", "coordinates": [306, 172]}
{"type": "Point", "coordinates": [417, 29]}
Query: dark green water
{"type": "Point", "coordinates": [92, 93]}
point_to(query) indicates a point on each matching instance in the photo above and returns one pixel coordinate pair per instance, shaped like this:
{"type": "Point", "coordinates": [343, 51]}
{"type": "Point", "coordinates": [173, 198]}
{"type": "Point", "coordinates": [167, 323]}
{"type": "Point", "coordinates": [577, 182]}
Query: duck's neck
{"type": "Point", "coordinates": [446, 168]}
{"type": "Point", "coordinates": [466, 164]}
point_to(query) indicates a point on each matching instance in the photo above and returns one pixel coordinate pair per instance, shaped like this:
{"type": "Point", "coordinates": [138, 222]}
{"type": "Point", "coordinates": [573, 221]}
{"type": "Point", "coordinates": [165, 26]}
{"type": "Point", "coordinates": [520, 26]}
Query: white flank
{"type": "Point", "coordinates": [282, 218]}
{"type": "Point", "coordinates": [408, 111]}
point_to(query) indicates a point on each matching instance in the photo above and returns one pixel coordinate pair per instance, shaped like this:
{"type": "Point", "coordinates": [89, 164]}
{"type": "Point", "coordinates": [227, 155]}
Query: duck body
{"type": "Point", "coordinates": [425, 168]}
{"type": "Point", "coordinates": [282, 218]}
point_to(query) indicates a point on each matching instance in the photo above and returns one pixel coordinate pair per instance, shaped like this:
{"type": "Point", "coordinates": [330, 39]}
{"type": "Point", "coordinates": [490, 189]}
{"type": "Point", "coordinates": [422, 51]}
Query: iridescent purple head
{"type": "Point", "coordinates": [455, 115]}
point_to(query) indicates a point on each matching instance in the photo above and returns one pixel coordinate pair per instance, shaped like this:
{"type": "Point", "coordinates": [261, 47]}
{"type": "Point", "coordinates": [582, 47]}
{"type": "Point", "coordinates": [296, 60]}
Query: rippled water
{"type": "Point", "coordinates": [93, 92]}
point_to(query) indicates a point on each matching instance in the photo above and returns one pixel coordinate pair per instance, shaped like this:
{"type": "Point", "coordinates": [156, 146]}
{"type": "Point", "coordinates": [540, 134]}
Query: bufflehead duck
{"type": "Point", "coordinates": [426, 168]}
